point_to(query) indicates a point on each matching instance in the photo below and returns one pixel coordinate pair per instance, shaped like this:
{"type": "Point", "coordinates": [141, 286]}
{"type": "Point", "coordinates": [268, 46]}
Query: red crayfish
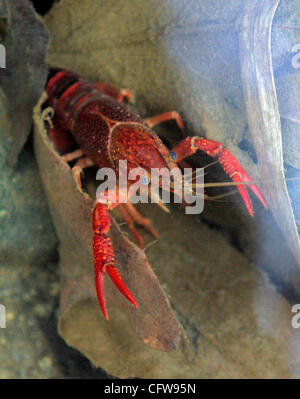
{"type": "Point", "coordinates": [93, 117]}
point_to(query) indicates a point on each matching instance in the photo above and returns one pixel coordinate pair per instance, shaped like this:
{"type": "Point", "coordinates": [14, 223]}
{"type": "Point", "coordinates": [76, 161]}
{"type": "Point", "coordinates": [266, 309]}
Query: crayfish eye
{"type": "Point", "coordinates": [144, 180]}
{"type": "Point", "coordinates": [173, 155]}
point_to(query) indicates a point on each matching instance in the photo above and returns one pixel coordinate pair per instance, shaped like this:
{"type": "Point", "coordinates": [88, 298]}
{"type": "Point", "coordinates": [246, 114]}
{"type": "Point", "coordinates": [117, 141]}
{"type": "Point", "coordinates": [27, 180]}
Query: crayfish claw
{"type": "Point", "coordinates": [119, 283]}
{"type": "Point", "coordinates": [235, 171]}
{"type": "Point", "coordinates": [229, 163]}
{"type": "Point", "coordinates": [258, 194]}
{"type": "Point", "coordinates": [244, 193]}
{"type": "Point", "coordinates": [99, 282]}
{"type": "Point", "coordinates": [104, 258]}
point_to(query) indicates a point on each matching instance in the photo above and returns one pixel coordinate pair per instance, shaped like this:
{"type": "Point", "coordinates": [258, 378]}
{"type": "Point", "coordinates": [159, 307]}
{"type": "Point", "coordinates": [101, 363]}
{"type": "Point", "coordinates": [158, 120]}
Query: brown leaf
{"type": "Point", "coordinates": [71, 210]}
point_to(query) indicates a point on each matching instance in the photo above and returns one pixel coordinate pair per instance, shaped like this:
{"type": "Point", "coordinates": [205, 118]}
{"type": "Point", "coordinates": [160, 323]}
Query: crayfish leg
{"type": "Point", "coordinates": [166, 116]}
{"type": "Point", "coordinates": [140, 219]}
{"type": "Point", "coordinates": [130, 224]}
{"type": "Point", "coordinates": [132, 216]}
{"type": "Point", "coordinates": [114, 92]}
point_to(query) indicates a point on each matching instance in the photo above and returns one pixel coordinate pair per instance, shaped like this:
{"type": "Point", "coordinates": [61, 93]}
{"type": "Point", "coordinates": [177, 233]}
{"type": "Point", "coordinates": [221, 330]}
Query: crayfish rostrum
{"type": "Point", "coordinates": [93, 117]}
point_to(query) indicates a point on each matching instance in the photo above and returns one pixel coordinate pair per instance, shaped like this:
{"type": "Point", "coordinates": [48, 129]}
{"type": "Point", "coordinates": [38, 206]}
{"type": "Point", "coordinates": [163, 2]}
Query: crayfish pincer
{"type": "Point", "coordinates": [91, 125]}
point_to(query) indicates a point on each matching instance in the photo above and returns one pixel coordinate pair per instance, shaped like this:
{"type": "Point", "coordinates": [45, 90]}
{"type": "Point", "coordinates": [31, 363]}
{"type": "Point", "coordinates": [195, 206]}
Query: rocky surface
{"type": "Point", "coordinates": [30, 346]}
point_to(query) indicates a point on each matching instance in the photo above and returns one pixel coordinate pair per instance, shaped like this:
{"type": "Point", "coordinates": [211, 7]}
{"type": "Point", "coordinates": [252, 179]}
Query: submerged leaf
{"type": "Point", "coordinates": [71, 210]}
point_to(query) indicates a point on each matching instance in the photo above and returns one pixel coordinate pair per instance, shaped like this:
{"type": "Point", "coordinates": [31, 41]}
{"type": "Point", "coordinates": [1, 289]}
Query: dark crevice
{"type": "Point", "coordinates": [286, 290]}
{"type": "Point", "coordinates": [191, 331]}
{"type": "Point", "coordinates": [3, 29]}
{"type": "Point", "coordinates": [70, 362]}
{"type": "Point", "coordinates": [246, 146]}
{"type": "Point", "coordinates": [231, 235]}
{"type": "Point", "coordinates": [212, 224]}
{"type": "Point", "coordinates": [42, 7]}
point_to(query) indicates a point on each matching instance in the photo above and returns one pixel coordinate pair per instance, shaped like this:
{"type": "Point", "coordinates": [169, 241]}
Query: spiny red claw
{"type": "Point", "coordinates": [229, 163]}
{"type": "Point", "coordinates": [235, 171]}
{"type": "Point", "coordinates": [104, 258]}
